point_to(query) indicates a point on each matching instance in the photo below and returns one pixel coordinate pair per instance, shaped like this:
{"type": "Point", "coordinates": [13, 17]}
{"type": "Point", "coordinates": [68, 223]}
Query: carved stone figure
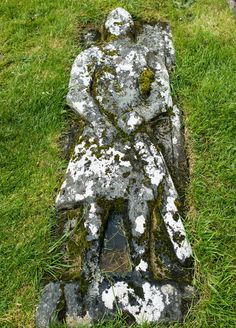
{"type": "Point", "coordinates": [136, 257]}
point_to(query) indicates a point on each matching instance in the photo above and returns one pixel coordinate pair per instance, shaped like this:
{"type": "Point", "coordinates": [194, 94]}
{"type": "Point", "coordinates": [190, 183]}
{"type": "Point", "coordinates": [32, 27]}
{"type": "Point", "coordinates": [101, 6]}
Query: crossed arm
{"type": "Point", "coordinates": [157, 102]}
{"type": "Point", "coordinates": [80, 99]}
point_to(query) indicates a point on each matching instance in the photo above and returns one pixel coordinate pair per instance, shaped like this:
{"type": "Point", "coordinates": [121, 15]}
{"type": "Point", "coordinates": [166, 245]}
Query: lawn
{"type": "Point", "coordinates": [39, 40]}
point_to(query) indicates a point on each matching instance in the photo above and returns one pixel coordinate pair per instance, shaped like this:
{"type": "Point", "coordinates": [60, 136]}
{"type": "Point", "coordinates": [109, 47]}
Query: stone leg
{"type": "Point", "coordinates": [139, 216]}
{"type": "Point", "coordinates": [173, 221]}
{"type": "Point", "coordinates": [164, 190]}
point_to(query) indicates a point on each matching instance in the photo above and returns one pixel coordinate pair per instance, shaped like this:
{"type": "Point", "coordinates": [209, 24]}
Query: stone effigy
{"type": "Point", "coordinates": [119, 201]}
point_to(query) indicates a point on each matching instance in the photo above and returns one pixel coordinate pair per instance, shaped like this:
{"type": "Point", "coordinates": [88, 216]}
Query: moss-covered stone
{"type": "Point", "coordinates": [110, 52]}
{"type": "Point", "coordinates": [145, 81]}
{"type": "Point", "coordinates": [77, 247]}
{"type": "Point", "coordinates": [74, 245]}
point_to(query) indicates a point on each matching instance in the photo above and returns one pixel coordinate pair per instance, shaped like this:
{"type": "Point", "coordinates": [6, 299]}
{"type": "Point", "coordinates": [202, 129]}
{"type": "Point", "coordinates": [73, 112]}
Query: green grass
{"type": "Point", "coordinates": [39, 40]}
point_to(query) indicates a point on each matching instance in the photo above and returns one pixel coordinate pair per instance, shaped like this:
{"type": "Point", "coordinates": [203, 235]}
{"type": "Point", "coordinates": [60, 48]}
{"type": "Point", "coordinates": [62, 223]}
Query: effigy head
{"type": "Point", "coordinates": [119, 22]}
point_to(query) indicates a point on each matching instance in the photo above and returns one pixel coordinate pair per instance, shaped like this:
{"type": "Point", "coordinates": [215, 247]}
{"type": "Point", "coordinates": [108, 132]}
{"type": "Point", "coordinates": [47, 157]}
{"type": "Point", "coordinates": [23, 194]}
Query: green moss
{"type": "Point", "coordinates": [110, 52]}
{"type": "Point", "coordinates": [91, 66]}
{"type": "Point", "coordinates": [111, 117]}
{"type": "Point", "coordinates": [118, 23]}
{"type": "Point", "coordinates": [126, 174]}
{"type": "Point", "coordinates": [117, 158]}
{"type": "Point", "coordinates": [97, 77]}
{"type": "Point", "coordinates": [160, 271]}
{"type": "Point", "coordinates": [145, 81]}
{"type": "Point", "coordinates": [119, 205]}
{"type": "Point", "coordinates": [105, 205]}
{"type": "Point", "coordinates": [71, 134]}
{"type": "Point", "coordinates": [99, 150]}
{"type": "Point", "coordinates": [111, 37]}
{"type": "Point", "coordinates": [74, 246]}
{"type": "Point", "coordinates": [65, 216]}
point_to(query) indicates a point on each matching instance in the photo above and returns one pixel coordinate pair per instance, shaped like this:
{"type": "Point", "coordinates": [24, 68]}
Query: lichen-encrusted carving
{"type": "Point", "coordinates": [123, 173]}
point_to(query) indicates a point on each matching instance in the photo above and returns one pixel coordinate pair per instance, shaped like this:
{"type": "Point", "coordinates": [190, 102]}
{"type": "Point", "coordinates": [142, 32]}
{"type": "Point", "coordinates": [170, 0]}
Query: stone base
{"type": "Point", "coordinates": [138, 300]}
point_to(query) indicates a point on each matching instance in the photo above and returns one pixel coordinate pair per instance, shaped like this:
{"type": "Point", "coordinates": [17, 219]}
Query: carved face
{"type": "Point", "coordinates": [119, 22]}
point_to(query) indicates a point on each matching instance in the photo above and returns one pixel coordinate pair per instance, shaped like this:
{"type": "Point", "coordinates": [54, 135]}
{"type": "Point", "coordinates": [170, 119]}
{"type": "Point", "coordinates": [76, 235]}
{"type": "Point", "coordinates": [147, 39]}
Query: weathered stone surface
{"type": "Point", "coordinates": [130, 244]}
{"type": "Point", "coordinates": [144, 301]}
{"type": "Point", "coordinates": [48, 309]}
{"type": "Point", "coordinates": [74, 302]}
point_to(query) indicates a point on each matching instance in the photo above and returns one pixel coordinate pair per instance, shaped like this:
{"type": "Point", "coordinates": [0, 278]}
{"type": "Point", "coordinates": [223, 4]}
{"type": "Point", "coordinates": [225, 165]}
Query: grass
{"type": "Point", "coordinates": [39, 40]}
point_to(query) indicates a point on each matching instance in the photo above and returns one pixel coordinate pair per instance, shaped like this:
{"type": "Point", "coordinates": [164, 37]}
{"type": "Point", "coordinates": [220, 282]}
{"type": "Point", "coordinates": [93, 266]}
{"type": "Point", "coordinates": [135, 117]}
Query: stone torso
{"type": "Point", "coordinates": [117, 77]}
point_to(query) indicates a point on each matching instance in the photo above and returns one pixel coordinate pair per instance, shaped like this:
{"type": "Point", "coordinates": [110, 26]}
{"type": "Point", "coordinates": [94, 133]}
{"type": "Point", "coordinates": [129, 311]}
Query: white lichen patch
{"type": "Point", "coordinates": [176, 129]}
{"type": "Point", "coordinates": [93, 222]}
{"type": "Point", "coordinates": [80, 106]}
{"type": "Point", "coordinates": [175, 119]}
{"type": "Point", "coordinates": [165, 90]}
{"type": "Point", "coordinates": [133, 121]}
{"type": "Point", "coordinates": [169, 44]}
{"type": "Point", "coordinates": [146, 309]}
{"type": "Point", "coordinates": [153, 163]}
{"type": "Point", "coordinates": [175, 141]}
{"type": "Point", "coordinates": [130, 62]}
{"type": "Point", "coordinates": [93, 170]}
{"type": "Point", "coordinates": [142, 266]}
{"type": "Point", "coordinates": [97, 165]}
{"type": "Point", "coordinates": [88, 192]}
{"type": "Point", "coordinates": [140, 224]}
{"type": "Point", "coordinates": [174, 224]}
